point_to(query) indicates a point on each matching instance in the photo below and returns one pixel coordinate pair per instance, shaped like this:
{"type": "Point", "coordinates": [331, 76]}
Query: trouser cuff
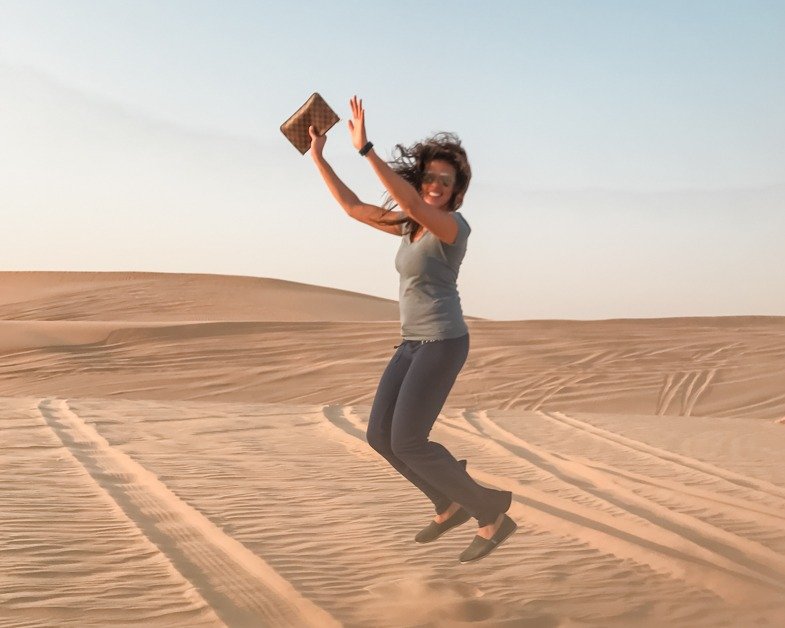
{"type": "Point", "coordinates": [488, 517]}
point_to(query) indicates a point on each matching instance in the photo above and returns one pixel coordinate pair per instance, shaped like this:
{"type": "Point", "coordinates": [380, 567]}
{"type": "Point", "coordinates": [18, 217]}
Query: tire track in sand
{"type": "Point", "coordinates": [660, 548]}
{"type": "Point", "coordinates": [697, 539]}
{"type": "Point", "coordinates": [690, 394]}
{"type": "Point", "coordinates": [240, 587]}
{"type": "Point", "coordinates": [668, 392]}
{"type": "Point", "coordinates": [662, 455]}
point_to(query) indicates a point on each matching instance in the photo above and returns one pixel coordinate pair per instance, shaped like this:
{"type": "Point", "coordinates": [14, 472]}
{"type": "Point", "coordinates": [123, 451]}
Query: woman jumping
{"type": "Point", "coordinates": [427, 181]}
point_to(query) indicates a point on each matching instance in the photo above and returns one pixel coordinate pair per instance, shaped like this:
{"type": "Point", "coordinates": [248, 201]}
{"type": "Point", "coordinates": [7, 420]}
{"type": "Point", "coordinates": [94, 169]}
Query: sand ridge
{"type": "Point", "coordinates": [648, 367]}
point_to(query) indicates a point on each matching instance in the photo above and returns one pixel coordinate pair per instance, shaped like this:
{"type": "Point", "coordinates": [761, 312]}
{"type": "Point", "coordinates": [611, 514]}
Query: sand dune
{"type": "Point", "coordinates": [178, 297]}
{"type": "Point", "coordinates": [195, 461]}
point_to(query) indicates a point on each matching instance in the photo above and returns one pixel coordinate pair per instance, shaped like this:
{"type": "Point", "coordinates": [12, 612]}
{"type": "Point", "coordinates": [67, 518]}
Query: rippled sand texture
{"type": "Point", "coordinates": [187, 472]}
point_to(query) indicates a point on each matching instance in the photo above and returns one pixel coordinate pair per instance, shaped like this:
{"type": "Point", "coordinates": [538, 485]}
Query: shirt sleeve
{"type": "Point", "coordinates": [463, 230]}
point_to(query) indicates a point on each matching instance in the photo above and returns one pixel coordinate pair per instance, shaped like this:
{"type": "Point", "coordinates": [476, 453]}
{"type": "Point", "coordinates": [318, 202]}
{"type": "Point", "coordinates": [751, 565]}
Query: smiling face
{"type": "Point", "coordinates": [438, 183]}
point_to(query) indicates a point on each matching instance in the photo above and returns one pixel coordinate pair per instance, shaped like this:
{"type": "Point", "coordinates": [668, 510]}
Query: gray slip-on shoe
{"type": "Point", "coordinates": [480, 547]}
{"type": "Point", "coordinates": [434, 530]}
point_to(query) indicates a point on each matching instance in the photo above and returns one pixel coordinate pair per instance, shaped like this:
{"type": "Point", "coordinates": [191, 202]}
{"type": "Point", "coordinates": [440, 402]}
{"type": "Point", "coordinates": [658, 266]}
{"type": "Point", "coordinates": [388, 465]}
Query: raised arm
{"type": "Point", "coordinates": [347, 199]}
{"type": "Point", "coordinates": [440, 223]}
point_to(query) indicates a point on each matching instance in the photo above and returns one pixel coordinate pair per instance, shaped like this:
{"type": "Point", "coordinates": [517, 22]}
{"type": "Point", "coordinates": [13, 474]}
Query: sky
{"type": "Point", "coordinates": [628, 157]}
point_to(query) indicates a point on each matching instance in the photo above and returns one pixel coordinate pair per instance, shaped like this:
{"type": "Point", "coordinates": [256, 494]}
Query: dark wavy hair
{"type": "Point", "coordinates": [410, 163]}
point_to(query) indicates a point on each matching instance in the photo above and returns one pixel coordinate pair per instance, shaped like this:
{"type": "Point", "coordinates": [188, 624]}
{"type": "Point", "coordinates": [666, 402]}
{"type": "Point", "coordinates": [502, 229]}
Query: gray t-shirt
{"type": "Point", "coordinates": [428, 295]}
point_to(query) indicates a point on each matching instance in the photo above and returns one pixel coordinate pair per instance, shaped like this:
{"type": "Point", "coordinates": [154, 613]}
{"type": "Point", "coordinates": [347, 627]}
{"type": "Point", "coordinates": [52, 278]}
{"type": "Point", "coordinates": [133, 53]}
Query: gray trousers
{"type": "Point", "coordinates": [411, 393]}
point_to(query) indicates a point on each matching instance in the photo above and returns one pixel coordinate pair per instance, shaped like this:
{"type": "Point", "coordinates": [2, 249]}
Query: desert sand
{"type": "Point", "coordinates": [189, 450]}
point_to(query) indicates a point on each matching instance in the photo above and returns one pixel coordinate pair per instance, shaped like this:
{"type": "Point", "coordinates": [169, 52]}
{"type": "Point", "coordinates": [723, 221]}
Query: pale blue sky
{"type": "Point", "coordinates": [629, 158]}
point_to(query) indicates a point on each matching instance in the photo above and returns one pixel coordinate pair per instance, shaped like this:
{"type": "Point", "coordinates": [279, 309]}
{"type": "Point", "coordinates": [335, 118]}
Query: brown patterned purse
{"type": "Point", "coordinates": [314, 112]}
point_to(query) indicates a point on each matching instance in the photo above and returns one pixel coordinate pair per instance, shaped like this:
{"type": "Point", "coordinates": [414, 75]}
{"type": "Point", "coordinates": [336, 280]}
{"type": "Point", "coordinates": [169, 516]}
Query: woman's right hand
{"type": "Point", "coordinates": [317, 142]}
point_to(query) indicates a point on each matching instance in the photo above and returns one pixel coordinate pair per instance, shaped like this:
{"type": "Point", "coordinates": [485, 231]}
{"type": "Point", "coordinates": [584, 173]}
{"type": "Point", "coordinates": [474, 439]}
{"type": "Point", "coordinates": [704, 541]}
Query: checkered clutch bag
{"type": "Point", "coordinates": [314, 112]}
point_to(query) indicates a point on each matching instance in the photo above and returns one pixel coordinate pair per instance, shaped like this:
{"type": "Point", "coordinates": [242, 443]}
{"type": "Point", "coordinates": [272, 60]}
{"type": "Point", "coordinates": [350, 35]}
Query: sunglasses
{"type": "Point", "coordinates": [447, 180]}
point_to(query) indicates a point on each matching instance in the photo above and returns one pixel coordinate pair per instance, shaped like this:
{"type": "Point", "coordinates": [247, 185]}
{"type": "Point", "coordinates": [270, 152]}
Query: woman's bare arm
{"type": "Point", "coordinates": [347, 199]}
{"type": "Point", "coordinates": [441, 224]}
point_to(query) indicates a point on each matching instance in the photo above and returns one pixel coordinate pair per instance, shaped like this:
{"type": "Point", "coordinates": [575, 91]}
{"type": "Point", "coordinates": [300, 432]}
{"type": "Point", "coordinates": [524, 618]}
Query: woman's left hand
{"type": "Point", "coordinates": [357, 123]}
